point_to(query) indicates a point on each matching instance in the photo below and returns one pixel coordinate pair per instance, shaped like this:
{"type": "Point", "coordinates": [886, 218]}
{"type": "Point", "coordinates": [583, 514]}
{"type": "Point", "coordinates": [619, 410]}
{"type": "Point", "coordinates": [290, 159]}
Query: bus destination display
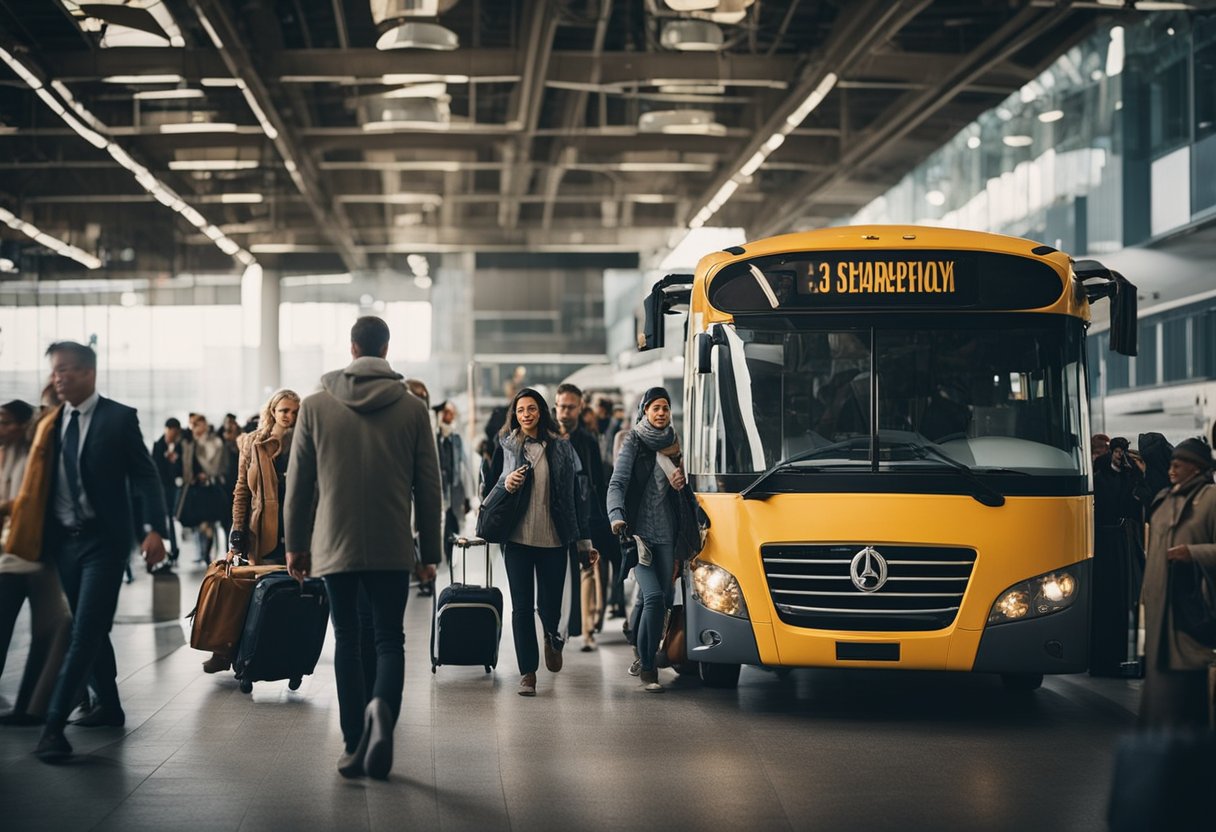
{"type": "Point", "coordinates": [884, 280]}
{"type": "Point", "coordinates": [890, 277]}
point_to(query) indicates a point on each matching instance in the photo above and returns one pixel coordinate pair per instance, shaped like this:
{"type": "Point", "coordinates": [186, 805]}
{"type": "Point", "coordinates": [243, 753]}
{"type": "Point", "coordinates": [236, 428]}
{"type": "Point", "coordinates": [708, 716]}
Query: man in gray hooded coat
{"type": "Point", "coordinates": [362, 463]}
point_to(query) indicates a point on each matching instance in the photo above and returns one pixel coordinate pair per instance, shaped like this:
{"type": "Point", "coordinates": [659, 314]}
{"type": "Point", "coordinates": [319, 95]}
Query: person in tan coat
{"type": "Point", "coordinates": [257, 497]}
{"type": "Point", "coordinates": [1182, 535]}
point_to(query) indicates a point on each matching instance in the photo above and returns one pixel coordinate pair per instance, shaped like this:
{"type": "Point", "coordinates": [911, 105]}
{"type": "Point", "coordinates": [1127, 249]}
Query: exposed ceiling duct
{"type": "Point", "coordinates": [384, 11]}
{"type": "Point", "coordinates": [384, 112]}
{"type": "Point", "coordinates": [419, 36]}
{"type": "Point", "coordinates": [692, 36]}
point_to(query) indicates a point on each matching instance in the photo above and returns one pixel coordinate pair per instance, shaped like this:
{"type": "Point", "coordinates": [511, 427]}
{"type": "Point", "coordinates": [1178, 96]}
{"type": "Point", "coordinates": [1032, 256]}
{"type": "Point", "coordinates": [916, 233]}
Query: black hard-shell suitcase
{"type": "Point", "coordinates": [284, 631]}
{"type": "Point", "coordinates": [467, 626]}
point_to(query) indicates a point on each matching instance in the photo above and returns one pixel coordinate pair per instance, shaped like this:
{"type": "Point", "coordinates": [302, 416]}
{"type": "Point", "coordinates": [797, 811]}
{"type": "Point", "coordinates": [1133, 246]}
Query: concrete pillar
{"type": "Point", "coordinates": [260, 297]}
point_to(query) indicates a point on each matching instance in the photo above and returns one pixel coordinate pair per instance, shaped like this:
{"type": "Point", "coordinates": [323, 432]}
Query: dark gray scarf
{"type": "Point", "coordinates": [653, 438]}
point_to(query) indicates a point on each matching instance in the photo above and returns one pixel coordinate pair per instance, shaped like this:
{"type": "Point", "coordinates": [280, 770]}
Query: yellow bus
{"type": "Point", "coordinates": [887, 431]}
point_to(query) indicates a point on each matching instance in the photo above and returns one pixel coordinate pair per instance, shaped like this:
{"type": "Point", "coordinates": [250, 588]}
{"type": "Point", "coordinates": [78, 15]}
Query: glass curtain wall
{"type": "Point", "coordinates": [1112, 145]}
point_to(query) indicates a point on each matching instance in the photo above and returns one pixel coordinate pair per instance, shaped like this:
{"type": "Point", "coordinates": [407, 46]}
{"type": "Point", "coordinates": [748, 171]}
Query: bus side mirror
{"type": "Point", "coordinates": [661, 302]}
{"type": "Point", "coordinates": [705, 342]}
{"type": "Point", "coordinates": [653, 330]}
{"type": "Point", "coordinates": [1101, 282]}
{"type": "Point", "coordinates": [1124, 326]}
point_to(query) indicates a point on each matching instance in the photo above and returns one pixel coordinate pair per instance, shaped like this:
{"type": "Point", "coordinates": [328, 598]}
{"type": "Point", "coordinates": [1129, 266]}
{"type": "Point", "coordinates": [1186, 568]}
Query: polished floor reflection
{"type": "Point", "coordinates": [812, 750]}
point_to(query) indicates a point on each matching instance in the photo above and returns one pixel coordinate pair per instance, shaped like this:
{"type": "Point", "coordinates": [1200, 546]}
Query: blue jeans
{"type": "Point", "coordinates": [655, 597]}
{"type": "Point", "coordinates": [386, 593]}
{"type": "Point", "coordinates": [91, 569]}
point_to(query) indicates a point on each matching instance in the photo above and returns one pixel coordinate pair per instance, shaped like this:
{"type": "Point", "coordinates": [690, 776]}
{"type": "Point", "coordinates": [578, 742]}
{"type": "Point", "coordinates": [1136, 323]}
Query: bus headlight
{"type": "Point", "coordinates": [717, 589]}
{"type": "Point", "coordinates": [1042, 595]}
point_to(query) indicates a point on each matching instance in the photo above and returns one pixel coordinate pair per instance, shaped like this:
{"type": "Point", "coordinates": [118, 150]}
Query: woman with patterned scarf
{"type": "Point", "coordinates": [647, 484]}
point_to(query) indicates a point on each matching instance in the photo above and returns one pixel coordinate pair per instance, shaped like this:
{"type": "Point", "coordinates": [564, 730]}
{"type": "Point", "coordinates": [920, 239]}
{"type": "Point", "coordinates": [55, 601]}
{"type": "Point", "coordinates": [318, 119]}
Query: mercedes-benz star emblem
{"type": "Point", "coordinates": [868, 570]}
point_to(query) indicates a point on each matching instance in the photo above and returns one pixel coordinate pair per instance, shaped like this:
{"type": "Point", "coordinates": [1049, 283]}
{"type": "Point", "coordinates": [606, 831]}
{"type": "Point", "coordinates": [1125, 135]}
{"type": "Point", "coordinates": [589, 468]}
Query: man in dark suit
{"type": "Point", "coordinates": [98, 455]}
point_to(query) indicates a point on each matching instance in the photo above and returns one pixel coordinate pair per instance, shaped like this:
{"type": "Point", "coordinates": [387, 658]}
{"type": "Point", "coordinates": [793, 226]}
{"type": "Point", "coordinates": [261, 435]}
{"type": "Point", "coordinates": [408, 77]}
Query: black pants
{"type": "Point", "coordinates": [1118, 570]}
{"type": "Point", "coordinates": [386, 593]}
{"type": "Point", "coordinates": [91, 570]}
{"type": "Point", "coordinates": [537, 579]}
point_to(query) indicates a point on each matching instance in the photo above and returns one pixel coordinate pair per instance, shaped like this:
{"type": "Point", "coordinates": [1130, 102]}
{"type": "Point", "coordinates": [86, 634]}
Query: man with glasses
{"type": "Point", "coordinates": [97, 457]}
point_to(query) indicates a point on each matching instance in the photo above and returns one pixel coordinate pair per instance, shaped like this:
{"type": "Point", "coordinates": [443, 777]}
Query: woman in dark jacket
{"type": "Point", "coordinates": [643, 496]}
{"type": "Point", "coordinates": [535, 454]}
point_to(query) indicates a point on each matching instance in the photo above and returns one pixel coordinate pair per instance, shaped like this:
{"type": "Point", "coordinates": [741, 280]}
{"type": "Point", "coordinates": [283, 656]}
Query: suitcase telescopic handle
{"type": "Point", "coordinates": [465, 543]}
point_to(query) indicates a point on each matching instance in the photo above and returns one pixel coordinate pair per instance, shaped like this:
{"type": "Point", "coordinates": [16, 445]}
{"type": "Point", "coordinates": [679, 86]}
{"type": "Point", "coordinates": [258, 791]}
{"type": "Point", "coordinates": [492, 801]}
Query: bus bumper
{"type": "Point", "coordinates": [1056, 643]}
{"type": "Point", "coordinates": [714, 637]}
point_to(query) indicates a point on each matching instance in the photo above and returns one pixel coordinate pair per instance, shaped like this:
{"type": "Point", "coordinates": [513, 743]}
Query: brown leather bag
{"type": "Point", "coordinates": [674, 649]}
{"type": "Point", "coordinates": [223, 600]}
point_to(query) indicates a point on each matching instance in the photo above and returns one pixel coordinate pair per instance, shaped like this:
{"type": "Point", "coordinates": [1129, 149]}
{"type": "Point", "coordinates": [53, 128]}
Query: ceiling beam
{"type": "Point", "coordinates": [912, 110]}
{"type": "Point", "coordinates": [541, 26]}
{"type": "Point", "coordinates": [574, 114]}
{"type": "Point", "coordinates": [228, 39]}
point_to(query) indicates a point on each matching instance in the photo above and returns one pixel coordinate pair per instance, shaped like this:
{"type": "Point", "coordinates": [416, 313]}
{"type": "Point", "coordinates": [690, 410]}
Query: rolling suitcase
{"type": "Point", "coordinates": [284, 631]}
{"type": "Point", "coordinates": [467, 625]}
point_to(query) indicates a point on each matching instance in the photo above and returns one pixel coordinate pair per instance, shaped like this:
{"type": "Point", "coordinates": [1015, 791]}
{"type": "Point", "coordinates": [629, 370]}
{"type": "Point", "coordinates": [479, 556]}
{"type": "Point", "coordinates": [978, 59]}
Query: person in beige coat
{"type": "Point", "coordinates": [363, 461]}
{"type": "Point", "coordinates": [257, 495]}
{"type": "Point", "coordinates": [1182, 534]}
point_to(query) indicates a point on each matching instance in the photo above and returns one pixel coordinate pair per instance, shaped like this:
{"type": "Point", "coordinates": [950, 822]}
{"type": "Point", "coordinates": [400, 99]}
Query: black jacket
{"type": "Point", "coordinates": [113, 460]}
{"type": "Point", "coordinates": [567, 507]}
{"type": "Point", "coordinates": [588, 451]}
{"type": "Point", "coordinates": [168, 471]}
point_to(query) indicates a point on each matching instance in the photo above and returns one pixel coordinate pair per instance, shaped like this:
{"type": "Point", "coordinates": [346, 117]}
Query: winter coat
{"type": "Point", "coordinates": [255, 498]}
{"type": "Point", "coordinates": [570, 513]}
{"type": "Point", "coordinates": [363, 462]}
{"type": "Point", "coordinates": [1188, 516]}
{"type": "Point", "coordinates": [29, 511]}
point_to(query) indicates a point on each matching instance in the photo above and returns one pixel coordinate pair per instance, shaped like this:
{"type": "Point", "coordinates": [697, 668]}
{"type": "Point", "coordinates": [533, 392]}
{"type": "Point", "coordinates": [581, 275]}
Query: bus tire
{"type": "Point", "coordinates": [719, 675]}
{"type": "Point", "coordinates": [1022, 682]}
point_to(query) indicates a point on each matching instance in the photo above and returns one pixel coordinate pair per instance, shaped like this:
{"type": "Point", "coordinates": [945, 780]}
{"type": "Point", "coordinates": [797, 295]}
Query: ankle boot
{"type": "Point", "coordinates": [379, 730]}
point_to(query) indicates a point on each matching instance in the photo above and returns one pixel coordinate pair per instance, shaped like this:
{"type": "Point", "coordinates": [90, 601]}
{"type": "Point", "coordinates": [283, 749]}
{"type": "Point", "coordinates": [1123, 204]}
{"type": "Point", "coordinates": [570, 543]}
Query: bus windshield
{"type": "Point", "coordinates": [995, 393]}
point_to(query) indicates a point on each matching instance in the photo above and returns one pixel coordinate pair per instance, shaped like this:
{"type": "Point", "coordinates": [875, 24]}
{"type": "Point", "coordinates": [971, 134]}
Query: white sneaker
{"type": "Point", "coordinates": [636, 667]}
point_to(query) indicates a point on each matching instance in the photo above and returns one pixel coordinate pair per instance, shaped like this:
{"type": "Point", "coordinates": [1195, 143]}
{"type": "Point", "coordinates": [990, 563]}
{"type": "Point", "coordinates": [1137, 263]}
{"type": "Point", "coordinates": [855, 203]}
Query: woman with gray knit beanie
{"type": "Point", "coordinates": [643, 498]}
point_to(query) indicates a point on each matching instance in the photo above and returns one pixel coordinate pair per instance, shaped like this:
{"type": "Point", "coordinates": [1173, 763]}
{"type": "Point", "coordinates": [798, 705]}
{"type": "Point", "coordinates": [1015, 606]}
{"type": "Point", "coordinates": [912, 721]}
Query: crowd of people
{"type": "Point", "coordinates": [364, 484]}
{"type": "Point", "coordinates": [1155, 556]}
{"type": "Point", "coordinates": [368, 486]}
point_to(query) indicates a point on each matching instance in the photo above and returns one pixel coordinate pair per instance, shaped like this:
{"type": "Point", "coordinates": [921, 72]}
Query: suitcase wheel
{"type": "Point", "coordinates": [487, 667]}
{"type": "Point", "coordinates": [294, 684]}
{"type": "Point", "coordinates": [433, 668]}
{"type": "Point", "coordinates": [246, 686]}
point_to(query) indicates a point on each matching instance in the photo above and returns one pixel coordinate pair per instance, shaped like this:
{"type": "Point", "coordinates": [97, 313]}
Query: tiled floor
{"type": "Point", "coordinates": [817, 750]}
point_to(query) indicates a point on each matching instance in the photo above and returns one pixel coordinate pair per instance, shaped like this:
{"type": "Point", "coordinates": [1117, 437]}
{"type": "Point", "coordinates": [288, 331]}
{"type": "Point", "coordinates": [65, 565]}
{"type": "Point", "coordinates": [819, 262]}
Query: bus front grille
{"type": "Point", "coordinates": [812, 585]}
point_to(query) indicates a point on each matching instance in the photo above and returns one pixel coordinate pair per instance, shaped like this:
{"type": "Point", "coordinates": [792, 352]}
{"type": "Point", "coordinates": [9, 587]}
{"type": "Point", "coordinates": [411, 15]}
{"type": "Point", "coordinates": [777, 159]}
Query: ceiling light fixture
{"type": "Point", "coordinates": [199, 127]}
{"type": "Point", "coordinates": [168, 95]}
{"type": "Point", "coordinates": [1017, 141]}
{"type": "Point", "coordinates": [692, 36]}
{"type": "Point", "coordinates": [53, 243]}
{"type": "Point", "coordinates": [974, 142]}
{"type": "Point", "coordinates": [393, 79]}
{"type": "Point", "coordinates": [241, 199]}
{"type": "Point", "coordinates": [1050, 116]}
{"type": "Point", "coordinates": [213, 164]}
{"type": "Point", "coordinates": [681, 122]}
{"type": "Point", "coordinates": [135, 80]}
{"type": "Point", "coordinates": [419, 36]}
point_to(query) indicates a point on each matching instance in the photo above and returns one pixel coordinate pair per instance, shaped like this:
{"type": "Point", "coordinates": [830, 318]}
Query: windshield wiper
{"type": "Point", "coordinates": [981, 491]}
{"type": "Point", "coordinates": [802, 456]}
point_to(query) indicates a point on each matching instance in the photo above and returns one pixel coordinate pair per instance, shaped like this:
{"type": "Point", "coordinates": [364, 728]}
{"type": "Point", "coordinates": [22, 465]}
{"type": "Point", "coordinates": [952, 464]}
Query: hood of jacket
{"type": "Point", "coordinates": [366, 385]}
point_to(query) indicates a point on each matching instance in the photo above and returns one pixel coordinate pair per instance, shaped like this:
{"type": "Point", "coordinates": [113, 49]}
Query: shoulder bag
{"type": "Point", "coordinates": [688, 531]}
{"type": "Point", "coordinates": [501, 511]}
{"type": "Point", "coordinates": [1193, 599]}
